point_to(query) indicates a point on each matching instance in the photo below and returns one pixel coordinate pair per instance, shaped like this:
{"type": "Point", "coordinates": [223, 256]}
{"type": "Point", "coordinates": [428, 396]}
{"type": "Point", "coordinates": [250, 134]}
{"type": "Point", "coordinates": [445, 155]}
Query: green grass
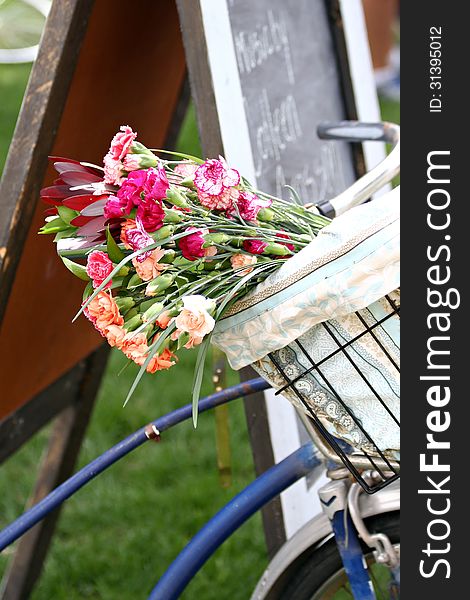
{"type": "Point", "coordinates": [13, 79]}
{"type": "Point", "coordinates": [117, 535]}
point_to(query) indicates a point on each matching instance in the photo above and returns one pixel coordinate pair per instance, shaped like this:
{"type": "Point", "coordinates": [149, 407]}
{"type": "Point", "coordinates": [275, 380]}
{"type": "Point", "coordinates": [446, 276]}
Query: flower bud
{"type": "Point", "coordinates": [159, 284]}
{"type": "Point", "coordinates": [134, 281]}
{"type": "Point", "coordinates": [138, 148]}
{"type": "Point", "coordinates": [183, 339]}
{"type": "Point", "coordinates": [146, 161]}
{"type": "Point", "coordinates": [172, 216]}
{"type": "Point", "coordinates": [133, 323]}
{"type": "Point", "coordinates": [188, 182]}
{"type": "Point", "coordinates": [124, 304]}
{"type": "Point", "coordinates": [123, 271]}
{"type": "Point", "coordinates": [265, 214]}
{"type": "Point", "coordinates": [152, 312]}
{"type": "Point", "coordinates": [143, 306]}
{"type": "Point", "coordinates": [168, 257]}
{"type": "Point", "coordinates": [215, 238]}
{"type": "Point", "coordinates": [131, 313]}
{"type": "Point", "coordinates": [139, 157]}
{"type": "Point", "coordinates": [276, 249]}
{"type": "Point", "coordinates": [175, 197]}
{"type": "Point", "coordinates": [163, 233]}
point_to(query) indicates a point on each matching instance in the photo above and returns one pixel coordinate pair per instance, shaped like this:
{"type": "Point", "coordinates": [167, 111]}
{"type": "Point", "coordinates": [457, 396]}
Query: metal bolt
{"type": "Point", "coordinates": [152, 433]}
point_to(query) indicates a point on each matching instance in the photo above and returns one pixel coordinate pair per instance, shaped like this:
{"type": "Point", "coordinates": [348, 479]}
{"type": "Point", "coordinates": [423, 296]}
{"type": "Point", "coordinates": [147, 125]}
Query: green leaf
{"type": "Point", "coordinates": [256, 271]}
{"type": "Point", "coordinates": [114, 252]}
{"type": "Point", "coordinates": [152, 351]}
{"type": "Point", "coordinates": [198, 375]}
{"type": "Point", "coordinates": [117, 283]}
{"type": "Point", "coordinates": [87, 291]}
{"type": "Point", "coordinates": [53, 226]}
{"type": "Point", "coordinates": [78, 270]}
{"type": "Point", "coordinates": [180, 281]}
{"type": "Point", "coordinates": [199, 161]}
{"type": "Point", "coordinates": [183, 339]}
{"type": "Point", "coordinates": [65, 233]}
{"type": "Point", "coordinates": [172, 216]}
{"type": "Point", "coordinates": [134, 282]}
{"type": "Point", "coordinates": [294, 195]}
{"type": "Point", "coordinates": [66, 214]}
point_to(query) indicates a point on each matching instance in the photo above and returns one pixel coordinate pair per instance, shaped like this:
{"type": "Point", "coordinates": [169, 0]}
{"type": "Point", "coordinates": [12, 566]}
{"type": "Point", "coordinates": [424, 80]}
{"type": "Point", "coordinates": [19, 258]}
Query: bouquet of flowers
{"type": "Point", "coordinates": [166, 246]}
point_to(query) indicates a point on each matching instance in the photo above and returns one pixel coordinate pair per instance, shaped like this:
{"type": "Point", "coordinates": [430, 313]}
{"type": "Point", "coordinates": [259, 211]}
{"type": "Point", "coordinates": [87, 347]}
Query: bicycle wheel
{"type": "Point", "coordinates": [321, 576]}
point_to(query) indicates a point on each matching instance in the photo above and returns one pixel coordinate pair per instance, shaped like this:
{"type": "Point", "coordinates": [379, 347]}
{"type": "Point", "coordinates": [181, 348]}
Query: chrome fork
{"type": "Point", "coordinates": [384, 551]}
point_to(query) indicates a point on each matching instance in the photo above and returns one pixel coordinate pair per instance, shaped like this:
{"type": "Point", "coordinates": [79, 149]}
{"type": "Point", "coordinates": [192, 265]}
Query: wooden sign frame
{"type": "Point", "coordinates": [73, 105]}
{"type": "Point", "coordinates": [217, 93]}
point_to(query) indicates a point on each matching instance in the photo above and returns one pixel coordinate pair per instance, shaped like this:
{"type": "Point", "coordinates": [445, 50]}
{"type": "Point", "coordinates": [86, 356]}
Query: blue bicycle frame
{"type": "Point", "coordinates": [227, 520]}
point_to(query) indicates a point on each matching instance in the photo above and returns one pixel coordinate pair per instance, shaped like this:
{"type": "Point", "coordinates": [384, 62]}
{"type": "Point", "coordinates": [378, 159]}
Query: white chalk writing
{"type": "Point", "coordinates": [314, 181]}
{"type": "Point", "coordinates": [279, 126]}
{"type": "Point", "coordinates": [253, 48]}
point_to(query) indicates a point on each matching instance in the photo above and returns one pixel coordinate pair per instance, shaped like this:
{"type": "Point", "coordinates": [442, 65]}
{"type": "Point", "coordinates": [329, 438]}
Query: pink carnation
{"type": "Point", "coordinates": [138, 239]}
{"type": "Point", "coordinates": [132, 162]}
{"type": "Point", "coordinates": [214, 176]}
{"type": "Point", "coordinates": [144, 185]}
{"type": "Point", "coordinates": [121, 142]}
{"type": "Point", "coordinates": [116, 208]}
{"type": "Point", "coordinates": [98, 267]}
{"type": "Point", "coordinates": [151, 215]}
{"type": "Point", "coordinates": [186, 169]}
{"type": "Point", "coordinates": [113, 170]}
{"type": "Point", "coordinates": [191, 245]}
{"type": "Point", "coordinates": [120, 146]}
{"type": "Point", "coordinates": [254, 246]}
{"type": "Point", "coordinates": [223, 201]}
{"type": "Point", "coordinates": [249, 205]}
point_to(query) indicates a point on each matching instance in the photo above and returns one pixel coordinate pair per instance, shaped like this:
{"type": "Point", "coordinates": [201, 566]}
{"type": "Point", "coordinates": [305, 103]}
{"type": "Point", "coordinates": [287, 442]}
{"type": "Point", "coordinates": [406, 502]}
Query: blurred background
{"type": "Point", "coordinates": [117, 536]}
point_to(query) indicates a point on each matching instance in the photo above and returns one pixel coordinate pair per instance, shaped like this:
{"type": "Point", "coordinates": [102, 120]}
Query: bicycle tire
{"type": "Point", "coordinates": [321, 564]}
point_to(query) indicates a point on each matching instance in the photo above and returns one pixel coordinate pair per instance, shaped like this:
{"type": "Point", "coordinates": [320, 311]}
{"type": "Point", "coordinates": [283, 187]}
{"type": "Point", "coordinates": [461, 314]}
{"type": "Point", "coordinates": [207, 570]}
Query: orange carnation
{"type": "Point", "coordinates": [103, 311]}
{"type": "Point", "coordinates": [135, 347]}
{"type": "Point", "coordinates": [161, 361]}
{"type": "Point", "coordinates": [149, 268]}
{"type": "Point", "coordinates": [163, 319]}
{"type": "Point", "coordinates": [115, 335]}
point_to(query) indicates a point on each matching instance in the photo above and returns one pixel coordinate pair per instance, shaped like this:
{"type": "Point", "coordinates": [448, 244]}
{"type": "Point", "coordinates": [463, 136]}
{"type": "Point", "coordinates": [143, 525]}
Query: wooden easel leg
{"type": "Point", "coordinates": [58, 464]}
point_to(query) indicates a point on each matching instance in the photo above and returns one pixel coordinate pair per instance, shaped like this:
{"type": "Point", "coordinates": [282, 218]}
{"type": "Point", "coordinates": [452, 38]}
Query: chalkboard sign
{"type": "Point", "coordinates": [289, 79]}
{"type": "Point", "coordinates": [263, 75]}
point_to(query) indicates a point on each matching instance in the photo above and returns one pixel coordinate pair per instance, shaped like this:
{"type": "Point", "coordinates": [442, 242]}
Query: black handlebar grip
{"type": "Point", "coordinates": [356, 131]}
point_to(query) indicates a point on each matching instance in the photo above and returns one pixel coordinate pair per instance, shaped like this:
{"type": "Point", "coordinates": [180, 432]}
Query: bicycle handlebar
{"type": "Point", "coordinates": [371, 182]}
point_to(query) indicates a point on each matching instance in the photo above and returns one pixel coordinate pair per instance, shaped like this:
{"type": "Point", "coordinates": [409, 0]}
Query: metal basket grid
{"type": "Point", "coordinates": [385, 469]}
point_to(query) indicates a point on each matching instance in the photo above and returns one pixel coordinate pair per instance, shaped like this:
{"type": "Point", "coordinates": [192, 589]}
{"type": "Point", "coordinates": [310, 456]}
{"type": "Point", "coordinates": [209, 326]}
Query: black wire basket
{"type": "Point", "coordinates": [346, 379]}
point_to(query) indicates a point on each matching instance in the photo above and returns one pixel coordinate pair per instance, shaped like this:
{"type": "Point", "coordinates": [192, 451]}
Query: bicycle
{"type": "Point", "coordinates": [352, 549]}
